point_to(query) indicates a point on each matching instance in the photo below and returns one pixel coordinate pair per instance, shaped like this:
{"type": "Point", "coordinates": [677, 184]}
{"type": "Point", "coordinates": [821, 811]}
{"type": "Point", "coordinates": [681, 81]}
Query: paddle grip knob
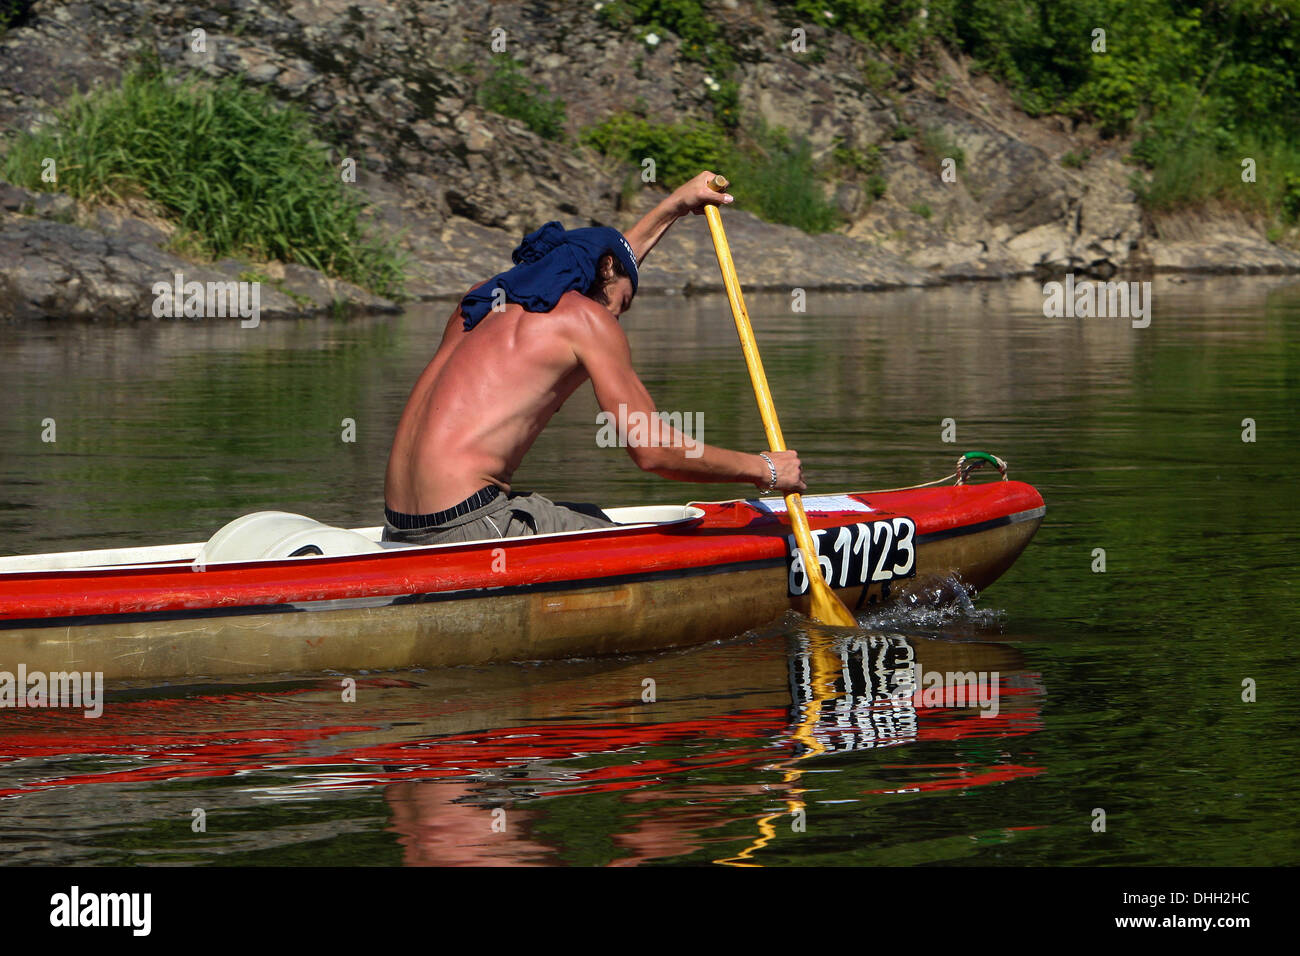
{"type": "Point", "coordinates": [719, 184]}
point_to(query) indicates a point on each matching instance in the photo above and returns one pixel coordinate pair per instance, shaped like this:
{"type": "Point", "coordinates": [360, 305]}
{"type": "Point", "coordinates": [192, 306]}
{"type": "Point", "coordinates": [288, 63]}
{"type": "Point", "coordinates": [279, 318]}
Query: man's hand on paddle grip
{"type": "Point", "coordinates": [789, 472]}
{"type": "Point", "coordinates": [696, 193]}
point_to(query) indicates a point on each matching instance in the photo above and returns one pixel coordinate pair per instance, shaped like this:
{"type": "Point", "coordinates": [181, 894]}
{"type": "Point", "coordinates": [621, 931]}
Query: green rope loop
{"type": "Point", "coordinates": [971, 460]}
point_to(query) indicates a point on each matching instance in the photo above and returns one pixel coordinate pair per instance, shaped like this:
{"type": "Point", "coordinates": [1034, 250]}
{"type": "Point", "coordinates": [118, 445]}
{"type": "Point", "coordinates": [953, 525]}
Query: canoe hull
{"type": "Point", "coordinates": [632, 592]}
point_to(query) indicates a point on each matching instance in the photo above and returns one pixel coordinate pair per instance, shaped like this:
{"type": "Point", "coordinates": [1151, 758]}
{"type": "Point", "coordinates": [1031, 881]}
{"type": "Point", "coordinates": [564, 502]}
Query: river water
{"type": "Point", "coordinates": [1120, 690]}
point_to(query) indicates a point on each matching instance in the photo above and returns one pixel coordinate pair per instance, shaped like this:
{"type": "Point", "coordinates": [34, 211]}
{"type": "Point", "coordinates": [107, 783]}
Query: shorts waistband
{"type": "Point", "coordinates": [405, 522]}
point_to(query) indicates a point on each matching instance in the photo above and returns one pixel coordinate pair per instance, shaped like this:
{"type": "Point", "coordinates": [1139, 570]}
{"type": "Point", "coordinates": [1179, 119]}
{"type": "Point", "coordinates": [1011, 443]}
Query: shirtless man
{"type": "Point", "coordinates": [490, 389]}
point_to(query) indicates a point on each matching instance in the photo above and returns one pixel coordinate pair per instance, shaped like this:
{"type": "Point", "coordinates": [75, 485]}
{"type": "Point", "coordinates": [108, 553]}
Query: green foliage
{"type": "Point", "coordinates": [902, 132]}
{"type": "Point", "coordinates": [878, 75]}
{"type": "Point", "coordinates": [936, 144]}
{"type": "Point", "coordinates": [907, 26]}
{"type": "Point", "coordinates": [1202, 172]}
{"type": "Point", "coordinates": [702, 41]}
{"type": "Point", "coordinates": [780, 180]}
{"type": "Point", "coordinates": [859, 161]}
{"type": "Point", "coordinates": [1075, 159]}
{"type": "Point", "coordinates": [725, 97]}
{"type": "Point", "coordinates": [864, 164]}
{"type": "Point", "coordinates": [701, 35]}
{"type": "Point", "coordinates": [1291, 197]}
{"type": "Point", "coordinates": [11, 11]}
{"type": "Point", "coordinates": [1197, 83]}
{"type": "Point", "coordinates": [237, 173]}
{"type": "Point", "coordinates": [509, 92]}
{"type": "Point", "coordinates": [679, 150]}
{"type": "Point", "coordinates": [922, 210]}
{"type": "Point", "coordinates": [1040, 47]}
{"type": "Point", "coordinates": [1232, 62]}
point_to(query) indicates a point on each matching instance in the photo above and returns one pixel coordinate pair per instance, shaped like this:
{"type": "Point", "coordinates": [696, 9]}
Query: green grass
{"type": "Point", "coordinates": [1202, 173]}
{"type": "Point", "coordinates": [774, 174]}
{"type": "Point", "coordinates": [922, 210]}
{"type": "Point", "coordinates": [937, 145]}
{"type": "Point", "coordinates": [237, 173]}
{"type": "Point", "coordinates": [777, 180]}
{"type": "Point", "coordinates": [507, 91]}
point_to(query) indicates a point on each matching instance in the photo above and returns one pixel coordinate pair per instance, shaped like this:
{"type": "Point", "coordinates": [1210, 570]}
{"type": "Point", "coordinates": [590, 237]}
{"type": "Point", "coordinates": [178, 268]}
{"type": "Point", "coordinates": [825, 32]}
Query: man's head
{"type": "Point", "coordinates": [551, 261]}
{"type": "Point", "coordinates": [612, 287]}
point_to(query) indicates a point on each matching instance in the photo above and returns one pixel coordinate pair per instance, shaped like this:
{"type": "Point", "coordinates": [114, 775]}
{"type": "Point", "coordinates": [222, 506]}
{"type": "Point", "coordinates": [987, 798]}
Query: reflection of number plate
{"type": "Point", "coordinates": [857, 554]}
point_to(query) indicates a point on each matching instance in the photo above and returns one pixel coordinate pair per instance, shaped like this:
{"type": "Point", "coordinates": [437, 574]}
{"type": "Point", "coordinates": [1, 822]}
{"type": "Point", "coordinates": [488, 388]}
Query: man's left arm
{"type": "Point", "coordinates": [690, 197]}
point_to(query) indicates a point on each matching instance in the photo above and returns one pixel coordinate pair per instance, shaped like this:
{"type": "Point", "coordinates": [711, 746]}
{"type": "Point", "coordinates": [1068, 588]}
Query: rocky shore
{"type": "Point", "coordinates": [459, 184]}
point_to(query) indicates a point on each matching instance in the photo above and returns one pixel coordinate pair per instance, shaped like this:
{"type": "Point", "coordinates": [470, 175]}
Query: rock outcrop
{"type": "Point", "coordinates": [392, 86]}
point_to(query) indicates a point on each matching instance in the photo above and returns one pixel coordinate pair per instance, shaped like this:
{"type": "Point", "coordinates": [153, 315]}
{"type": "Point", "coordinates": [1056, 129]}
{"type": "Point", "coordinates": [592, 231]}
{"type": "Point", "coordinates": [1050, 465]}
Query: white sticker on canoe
{"type": "Point", "coordinates": [819, 503]}
{"type": "Point", "coordinates": [862, 553]}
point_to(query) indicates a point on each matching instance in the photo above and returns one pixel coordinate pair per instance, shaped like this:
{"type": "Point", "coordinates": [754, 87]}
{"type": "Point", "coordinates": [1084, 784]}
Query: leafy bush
{"type": "Point", "coordinates": [778, 181]}
{"type": "Point", "coordinates": [701, 35]}
{"type": "Point", "coordinates": [903, 25]}
{"type": "Point", "coordinates": [679, 150]}
{"type": "Point", "coordinates": [1203, 172]}
{"type": "Point", "coordinates": [1291, 197]}
{"type": "Point", "coordinates": [237, 172]}
{"type": "Point", "coordinates": [509, 92]}
{"type": "Point", "coordinates": [774, 174]}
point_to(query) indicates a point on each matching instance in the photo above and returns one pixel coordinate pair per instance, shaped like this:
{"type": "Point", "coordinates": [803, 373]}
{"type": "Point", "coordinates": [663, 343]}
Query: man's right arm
{"type": "Point", "coordinates": [602, 348]}
{"type": "Point", "coordinates": [690, 197]}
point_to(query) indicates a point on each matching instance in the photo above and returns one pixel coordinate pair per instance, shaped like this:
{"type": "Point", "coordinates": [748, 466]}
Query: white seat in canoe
{"type": "Point", "coordinates": [273, 535]}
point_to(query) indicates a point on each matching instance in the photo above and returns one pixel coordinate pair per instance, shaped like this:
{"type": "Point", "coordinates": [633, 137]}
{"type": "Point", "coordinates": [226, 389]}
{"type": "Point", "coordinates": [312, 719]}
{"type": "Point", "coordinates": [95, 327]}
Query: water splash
{"type": "Point", "coordinates": [946, 604]}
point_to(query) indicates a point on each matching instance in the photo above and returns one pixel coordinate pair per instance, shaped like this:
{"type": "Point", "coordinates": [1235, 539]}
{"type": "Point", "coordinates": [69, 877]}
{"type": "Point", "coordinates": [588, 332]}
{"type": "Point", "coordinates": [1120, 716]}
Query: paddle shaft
{"type": "Point", "coordinates": [826, 606]}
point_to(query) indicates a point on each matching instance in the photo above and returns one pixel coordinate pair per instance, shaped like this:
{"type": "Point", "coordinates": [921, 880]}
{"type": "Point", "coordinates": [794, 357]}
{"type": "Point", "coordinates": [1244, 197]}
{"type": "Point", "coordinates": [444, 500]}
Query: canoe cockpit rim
{"type": "Point", "coordinates": [628, 519]}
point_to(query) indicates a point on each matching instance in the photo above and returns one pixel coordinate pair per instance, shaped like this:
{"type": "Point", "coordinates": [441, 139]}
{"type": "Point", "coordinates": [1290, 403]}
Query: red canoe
{"type": "Point", "coordinates": [276, 593]}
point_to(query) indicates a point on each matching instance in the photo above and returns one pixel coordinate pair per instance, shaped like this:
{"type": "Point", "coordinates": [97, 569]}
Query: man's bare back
{"type": "Point", "coordinates": [481, 403]}
{"type": "Point", "coordinates": [487, 393]}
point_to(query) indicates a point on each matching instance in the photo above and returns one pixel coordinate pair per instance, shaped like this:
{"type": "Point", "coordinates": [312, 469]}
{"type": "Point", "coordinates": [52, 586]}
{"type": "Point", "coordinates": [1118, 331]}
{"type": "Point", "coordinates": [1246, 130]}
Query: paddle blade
{"type": "Point", "coordinates": [827, 606]}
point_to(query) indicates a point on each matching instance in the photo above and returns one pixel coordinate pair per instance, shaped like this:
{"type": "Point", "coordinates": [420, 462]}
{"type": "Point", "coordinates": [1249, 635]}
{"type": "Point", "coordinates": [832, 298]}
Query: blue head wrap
{"type": "Point", "coordinates": [549, 263]}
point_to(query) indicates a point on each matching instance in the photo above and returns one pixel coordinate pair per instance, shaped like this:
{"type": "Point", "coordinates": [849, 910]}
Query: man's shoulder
{"type": "Point", "coordinates": [576, 303]}
{"type": "Point", "coordinates": [583, 312]}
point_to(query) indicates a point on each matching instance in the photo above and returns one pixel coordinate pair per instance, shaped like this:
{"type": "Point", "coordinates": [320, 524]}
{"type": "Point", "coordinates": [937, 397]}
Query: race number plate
{"type": "Point", "coordinates": [858, 554]}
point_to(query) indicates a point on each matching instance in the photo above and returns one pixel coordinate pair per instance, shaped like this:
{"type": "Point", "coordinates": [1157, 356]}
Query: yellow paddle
{"type": "Point", "coordinates": [826, 606]}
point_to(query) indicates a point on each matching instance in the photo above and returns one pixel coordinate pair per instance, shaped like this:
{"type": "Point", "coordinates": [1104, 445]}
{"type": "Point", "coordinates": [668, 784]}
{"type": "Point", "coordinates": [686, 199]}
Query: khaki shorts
{"type": "Point", "coordinates": [506, 516]}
